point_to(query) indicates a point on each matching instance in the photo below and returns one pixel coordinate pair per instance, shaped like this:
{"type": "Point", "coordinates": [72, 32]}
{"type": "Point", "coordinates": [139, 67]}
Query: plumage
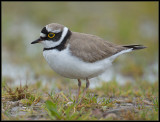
{"type": "Point", "coordinates": [91, 48]}
{"type": "Point", "coordinates": [78, 55]}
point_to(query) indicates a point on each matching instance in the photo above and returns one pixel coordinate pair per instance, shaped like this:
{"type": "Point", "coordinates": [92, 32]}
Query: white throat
{"type": "Point", "coordinates": [49, 44]}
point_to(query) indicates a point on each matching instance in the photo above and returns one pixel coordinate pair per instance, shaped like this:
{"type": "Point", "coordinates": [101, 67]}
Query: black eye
{"type": "Point", "coordinates": [51, 35]}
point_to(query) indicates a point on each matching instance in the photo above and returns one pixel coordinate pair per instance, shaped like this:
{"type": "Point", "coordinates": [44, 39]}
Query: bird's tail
{"type": "Point", "coordinates": [135, 47]}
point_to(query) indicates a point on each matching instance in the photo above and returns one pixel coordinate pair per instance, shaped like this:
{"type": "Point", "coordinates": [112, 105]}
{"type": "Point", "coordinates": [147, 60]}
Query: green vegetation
{"type": "Point", "coordinates": [109, 101]}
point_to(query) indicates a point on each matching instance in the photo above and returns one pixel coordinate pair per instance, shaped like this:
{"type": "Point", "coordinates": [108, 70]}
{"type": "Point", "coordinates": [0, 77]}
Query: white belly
{"type": "Point", "coordinates": [70, 66]}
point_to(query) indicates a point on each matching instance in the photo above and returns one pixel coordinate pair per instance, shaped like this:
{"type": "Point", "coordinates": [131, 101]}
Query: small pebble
{"type": "Point", "coordinates": [111, 116]}
{"type": "Point", "coordinates": [69, 103]}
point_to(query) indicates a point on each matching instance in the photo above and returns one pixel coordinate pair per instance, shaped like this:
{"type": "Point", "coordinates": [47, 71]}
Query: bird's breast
{"type": "Point", "coordinates": [67, 65]}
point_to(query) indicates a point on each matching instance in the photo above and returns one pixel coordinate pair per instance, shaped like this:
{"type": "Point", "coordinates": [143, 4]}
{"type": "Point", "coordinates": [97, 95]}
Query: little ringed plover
{"type": "Point", "coordinates": [78, 55]}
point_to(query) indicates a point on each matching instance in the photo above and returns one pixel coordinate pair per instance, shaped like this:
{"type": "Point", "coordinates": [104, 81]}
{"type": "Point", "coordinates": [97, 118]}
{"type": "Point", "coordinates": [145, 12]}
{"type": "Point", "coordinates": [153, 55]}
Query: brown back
{"type": "Point", "coordinates": [91, 48]}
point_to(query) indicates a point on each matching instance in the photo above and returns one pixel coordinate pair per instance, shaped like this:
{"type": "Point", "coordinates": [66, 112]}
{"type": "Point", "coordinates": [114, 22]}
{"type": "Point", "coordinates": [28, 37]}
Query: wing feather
{"type": "Point", "coordinates": [91, 48]}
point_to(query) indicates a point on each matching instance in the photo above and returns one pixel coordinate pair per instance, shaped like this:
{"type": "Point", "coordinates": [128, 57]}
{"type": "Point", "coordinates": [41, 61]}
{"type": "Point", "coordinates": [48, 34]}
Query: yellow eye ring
{"type": "Point", "coordinates": [51, 35]}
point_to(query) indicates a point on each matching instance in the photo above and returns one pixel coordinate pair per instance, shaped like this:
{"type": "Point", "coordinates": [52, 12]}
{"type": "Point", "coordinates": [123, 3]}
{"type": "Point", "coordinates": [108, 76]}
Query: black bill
{"type": "Point", "coordinates": [36, 41]}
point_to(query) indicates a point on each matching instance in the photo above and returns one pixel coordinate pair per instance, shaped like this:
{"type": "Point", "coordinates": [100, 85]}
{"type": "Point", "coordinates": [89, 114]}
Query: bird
{"type": "Point", "coordinates": [78, 55]}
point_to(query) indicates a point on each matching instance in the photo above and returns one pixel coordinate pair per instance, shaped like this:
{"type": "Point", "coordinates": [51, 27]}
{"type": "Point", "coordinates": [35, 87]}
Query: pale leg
{"type": "Point", "coordinates": [87, 86]}
{"type": "Point", "coordinates": [84, 92]}
{"type": "Point", "coordinates": [79, 87]}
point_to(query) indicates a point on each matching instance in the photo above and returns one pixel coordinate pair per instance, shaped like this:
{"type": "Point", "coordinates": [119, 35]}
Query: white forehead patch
{"type": "Point", "coordinates": [42, 35]}
{"type": "Point", "coordinates": [47, 28]}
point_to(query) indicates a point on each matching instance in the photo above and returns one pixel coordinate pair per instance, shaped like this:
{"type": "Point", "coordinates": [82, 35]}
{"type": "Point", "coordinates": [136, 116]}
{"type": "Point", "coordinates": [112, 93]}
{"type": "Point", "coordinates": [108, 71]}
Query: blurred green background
{"type": "Point", "coordinates": [118, 22]}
